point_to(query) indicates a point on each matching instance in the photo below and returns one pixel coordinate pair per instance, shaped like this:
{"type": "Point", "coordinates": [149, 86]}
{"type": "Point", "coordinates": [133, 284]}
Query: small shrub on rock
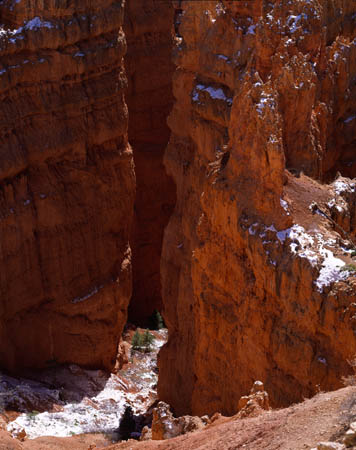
{"type": "Point", "coordinates": [147, 341]}
{"type": "Point", "coordinates": [349, 268]}
{"type": "Point", "coordinates": [142, 342]}
{"type": "Point", "coordinates": [137, 341]}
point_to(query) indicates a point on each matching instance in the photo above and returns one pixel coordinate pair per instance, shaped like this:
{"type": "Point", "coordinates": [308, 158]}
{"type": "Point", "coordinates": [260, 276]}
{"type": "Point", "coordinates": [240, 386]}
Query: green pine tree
{"type": "Point", "coordinates": [137, 340]}
{"type": "Point", "coordinates": [127, 424]}
{"type": "Point", "coordinates": [147, 341]}
{"type": "Point", "coordinates": [156, 321]}
{"type": "Point", "coordinates": [159, 321]}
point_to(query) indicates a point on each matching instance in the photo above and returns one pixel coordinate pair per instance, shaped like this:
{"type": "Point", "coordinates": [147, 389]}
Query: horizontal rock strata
{"type": "Point", "coordinates": [66, 183]}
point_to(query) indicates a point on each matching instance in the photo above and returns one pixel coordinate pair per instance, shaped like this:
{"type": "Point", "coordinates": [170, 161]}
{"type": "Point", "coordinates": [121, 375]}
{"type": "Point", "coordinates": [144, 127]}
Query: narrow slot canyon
{"type": "Point", "coordinates": [149, 69]}
{"type": "Point", "coordinates": [195, 159]}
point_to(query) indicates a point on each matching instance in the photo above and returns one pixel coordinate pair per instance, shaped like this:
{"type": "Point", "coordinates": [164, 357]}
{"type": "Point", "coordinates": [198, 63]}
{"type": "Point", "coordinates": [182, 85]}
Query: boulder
{"type": "Point", "coordinates": [254, 404]}
{"type": "Point", "coordinates": [166, 426]}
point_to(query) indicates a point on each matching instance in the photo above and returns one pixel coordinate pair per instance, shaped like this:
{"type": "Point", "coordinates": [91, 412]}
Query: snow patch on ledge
{"type": "Point", "coordinates": [313, 249]}
{"type": "Point", "coordinates": [94, 291]}
{"type": "Point", "coordinates": [37, 23]}
{"type": "Point", "coordinates": [34, 24]}
{"type": "Point", "coordinates": [252, 230]}
{"type": "Point", "coordinates": [341, 186]}
{"type": "Point", "coordinates": [330, 270]}
{"type": "Point", "coordinates": [350, 118]}
{"type": "Point", "coordinates": [215, 93]}
{"type": "Point", "coordinates": [309, 246]}
{"type": "Point", "coordinates": [339, 205]}
{"type": "Point", "coordinates": [223, 57]}
{"type": "Point", "coordinates": [251, 29]}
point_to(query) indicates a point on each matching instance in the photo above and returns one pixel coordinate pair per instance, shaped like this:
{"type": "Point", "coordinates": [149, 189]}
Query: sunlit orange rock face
{"type": "Point", "coordinates": [67, 183]}
{"type": "Point", "coordinates": [264, 117]}
{"type": "Point", "coordinates": [148, 29]}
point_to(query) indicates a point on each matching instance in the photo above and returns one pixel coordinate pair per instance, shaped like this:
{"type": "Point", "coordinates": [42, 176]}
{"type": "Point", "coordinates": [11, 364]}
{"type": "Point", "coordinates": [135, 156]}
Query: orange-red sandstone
{"type": "Point", "coordinates": [263, 92]}
{"type": "Point", "coordinates": [67, 183]}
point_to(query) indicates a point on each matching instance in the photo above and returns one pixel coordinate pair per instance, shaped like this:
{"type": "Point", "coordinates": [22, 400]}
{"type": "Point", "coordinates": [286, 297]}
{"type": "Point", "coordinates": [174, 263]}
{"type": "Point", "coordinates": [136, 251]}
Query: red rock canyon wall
{"type": "Point", "coordinates": [251, 270]}
{"type": "Point", "coordinates": [67, 183]}
{"type": "Point", "coordinates": [264, 114]}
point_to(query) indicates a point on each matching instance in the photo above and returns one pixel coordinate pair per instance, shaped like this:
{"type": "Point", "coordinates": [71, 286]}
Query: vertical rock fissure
{"type": "Point", "coordinates": [149, 67]}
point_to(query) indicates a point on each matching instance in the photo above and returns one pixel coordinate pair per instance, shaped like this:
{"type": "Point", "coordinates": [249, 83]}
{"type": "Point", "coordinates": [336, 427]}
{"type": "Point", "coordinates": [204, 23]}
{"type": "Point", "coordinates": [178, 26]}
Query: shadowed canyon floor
{"type": "Point", "coordinates": [69, 401]}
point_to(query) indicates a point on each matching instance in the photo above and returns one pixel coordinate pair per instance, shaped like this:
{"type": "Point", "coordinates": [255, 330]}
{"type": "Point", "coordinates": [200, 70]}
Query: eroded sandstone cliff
{"type": "Point", "coordinates": [66, 183]}
{"type": "Point", "coordinates": [148, 29]}
{"type": "Point", "coordinates": [253, 285]}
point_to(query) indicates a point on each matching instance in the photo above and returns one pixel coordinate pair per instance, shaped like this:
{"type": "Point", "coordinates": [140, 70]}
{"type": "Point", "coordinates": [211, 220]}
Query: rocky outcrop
{"type": "Point", "coordinates": [251, 274]}
{"type": "Point", "coordinates": [255, 403]}
{"type": "Point", "coordinates": [67, 183]}
{"type": "Point", "coordinates": [350, 436]}
{"type": "Point", "coordinates": [8, 443]}
{"type": "Point", "coordinates": [329, 446]}
{"type": "Point", "coordinates": [148, 30]}
{"type": "Point", "coordinates": [322, 419]}
{"type": "Point", "coordinates": [165, 426]}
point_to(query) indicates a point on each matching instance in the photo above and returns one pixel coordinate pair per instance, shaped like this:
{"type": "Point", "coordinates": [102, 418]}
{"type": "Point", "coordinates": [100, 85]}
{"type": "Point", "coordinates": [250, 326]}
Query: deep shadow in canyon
{"type": "Point", "coordinates": [148, 28]}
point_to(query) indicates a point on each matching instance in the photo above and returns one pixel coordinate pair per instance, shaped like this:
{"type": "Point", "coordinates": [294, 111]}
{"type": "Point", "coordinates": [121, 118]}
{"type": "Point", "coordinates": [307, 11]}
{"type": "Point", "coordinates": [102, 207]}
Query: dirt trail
{"type": "Point", "coordinates": [325, 417]}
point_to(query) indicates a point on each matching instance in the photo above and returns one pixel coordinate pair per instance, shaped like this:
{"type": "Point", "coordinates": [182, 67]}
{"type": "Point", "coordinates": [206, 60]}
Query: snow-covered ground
{"type": "Point", "coordinates": [99, 411]}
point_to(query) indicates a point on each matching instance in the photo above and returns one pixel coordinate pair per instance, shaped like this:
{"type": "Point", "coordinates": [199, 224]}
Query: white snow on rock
{"type": "Point", "coordinates": [295, 232]}
{"type": "Point", "coordinates": [313, 247]}
{"type": "Point", "coordinates": [251, 29]}
{"type": "Point", "coordinates": [330, 270]}
{"type": "Point", "coordinates": [293, 22]}
{"type": "Point", "coordinates": [350, 119]}
{"type": "Point", "coordinates": [341, 186]}
{"type": "Point", "coordinates": [338, 205]}
{"type": "Point", "coordinates": [94, 291]}
{"type": "Point", "coordinates": [252, 230]}
{"type": "Point", "coordinates": [285, 206]}
{"type": "Point", "coordinates": [100, 413]}
{"type": "Point", "coordinates": [195, 96]}
{"type": "Point", "coordinates": [265, 100]}
{"type": "Point", "coordinates": [36, 23]}
{"type": "Point", "coordinates": [215, 93]}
